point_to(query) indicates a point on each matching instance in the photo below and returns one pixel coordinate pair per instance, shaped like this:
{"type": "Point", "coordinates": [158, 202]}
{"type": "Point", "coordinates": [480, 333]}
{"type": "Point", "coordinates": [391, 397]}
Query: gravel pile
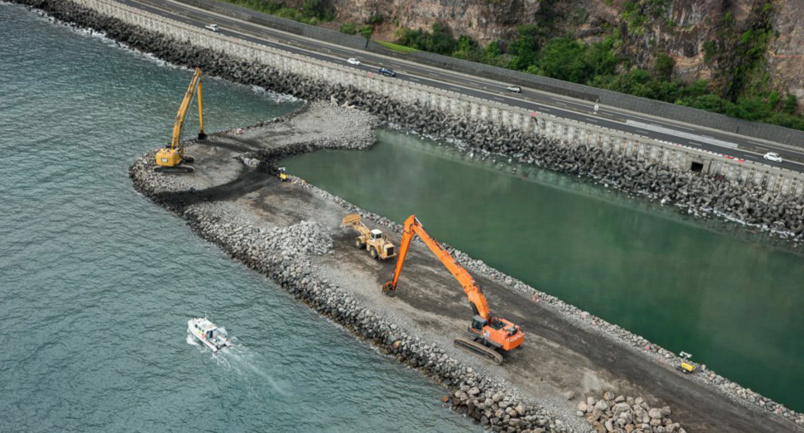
{"type": "Point", "coordinates": [626, 415]}
{"type": "Point", "coordinates": [699, 195]}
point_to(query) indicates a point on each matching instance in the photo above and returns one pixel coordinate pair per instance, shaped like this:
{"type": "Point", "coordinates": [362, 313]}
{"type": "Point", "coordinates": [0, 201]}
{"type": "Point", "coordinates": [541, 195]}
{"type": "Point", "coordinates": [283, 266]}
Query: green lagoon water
{"type": "Point", "coordinates": [735, 302]}
{"type": "Point", "coordinates": [97, 283]}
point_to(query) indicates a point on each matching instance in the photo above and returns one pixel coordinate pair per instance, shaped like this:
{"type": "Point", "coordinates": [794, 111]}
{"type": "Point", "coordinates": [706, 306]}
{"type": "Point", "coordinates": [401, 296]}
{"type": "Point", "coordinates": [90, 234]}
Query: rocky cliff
{"type": "Point", "coordinates": [737, 44]}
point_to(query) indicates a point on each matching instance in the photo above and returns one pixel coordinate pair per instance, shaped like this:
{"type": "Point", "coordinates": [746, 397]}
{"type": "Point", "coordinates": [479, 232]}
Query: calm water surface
{"type": "Point", "coordinates": [97, 284]}
{"type": "Point", "coordinates": [734, 303]}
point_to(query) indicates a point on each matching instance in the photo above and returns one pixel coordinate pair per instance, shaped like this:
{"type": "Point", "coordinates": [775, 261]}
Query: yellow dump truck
{"type": "Point", "coordinates": [378, 246]}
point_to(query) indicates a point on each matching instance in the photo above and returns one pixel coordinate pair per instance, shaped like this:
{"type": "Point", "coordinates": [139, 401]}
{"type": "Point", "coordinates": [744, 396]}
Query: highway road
{"type": "Point", "coordinates": [737, 146]}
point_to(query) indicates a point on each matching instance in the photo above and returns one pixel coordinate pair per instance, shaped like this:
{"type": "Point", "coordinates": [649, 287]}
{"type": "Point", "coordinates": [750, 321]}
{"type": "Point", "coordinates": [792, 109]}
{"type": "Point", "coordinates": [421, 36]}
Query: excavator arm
{"type": "Point", "coordinates": [195, 83]}
{"type": "Point", "coordinates": [414, 228]}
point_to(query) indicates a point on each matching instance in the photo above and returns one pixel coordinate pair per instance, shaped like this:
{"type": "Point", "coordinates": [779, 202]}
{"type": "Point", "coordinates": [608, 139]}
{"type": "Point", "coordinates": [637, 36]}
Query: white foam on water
{"type": "Point", "coordinates": [276, 97]}
{"type": "Point", "coordinates": [101, 36]}
{"type": "Point", "coordinates": [192, 341]}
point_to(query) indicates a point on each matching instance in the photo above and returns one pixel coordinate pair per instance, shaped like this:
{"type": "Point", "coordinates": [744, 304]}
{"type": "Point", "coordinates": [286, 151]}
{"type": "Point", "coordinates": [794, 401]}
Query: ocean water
{"type": "Point", "coordinates": [97, 283]}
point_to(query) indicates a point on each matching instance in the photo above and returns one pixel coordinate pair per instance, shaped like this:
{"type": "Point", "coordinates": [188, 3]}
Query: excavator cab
{"type": "Point", "coordinates": [478, 323]}
{"type": "Point", "coordinates": [168, 157]}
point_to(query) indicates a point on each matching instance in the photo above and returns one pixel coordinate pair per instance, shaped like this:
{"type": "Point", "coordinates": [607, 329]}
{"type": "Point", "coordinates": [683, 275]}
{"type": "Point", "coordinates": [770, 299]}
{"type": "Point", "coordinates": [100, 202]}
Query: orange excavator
{"type": "Point", "coordinates": [487, 331]}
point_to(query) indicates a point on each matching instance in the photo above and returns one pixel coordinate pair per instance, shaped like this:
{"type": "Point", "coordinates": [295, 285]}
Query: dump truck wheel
{"type": "Point", "coordinates": [373, 253]}
{"type": "Point", "coordinates": [359, 244]}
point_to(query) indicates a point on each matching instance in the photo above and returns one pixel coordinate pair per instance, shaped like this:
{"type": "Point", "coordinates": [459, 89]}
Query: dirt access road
{"type": "Point", "coordinates": [559, 354]}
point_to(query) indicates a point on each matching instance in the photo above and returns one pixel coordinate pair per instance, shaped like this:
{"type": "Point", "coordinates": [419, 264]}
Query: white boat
{"type": "Point", "coordinates": [208, 333]}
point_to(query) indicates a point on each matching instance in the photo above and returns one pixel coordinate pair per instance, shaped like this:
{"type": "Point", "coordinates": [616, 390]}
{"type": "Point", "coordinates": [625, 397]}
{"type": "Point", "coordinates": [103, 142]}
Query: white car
{"type": "Point", "coordinates": [353, 61]}
{"type": "Point", "coordinates": [514, 89]}
{"type": "Point", "coordinates": [773, 156]}
{"type": "Point", "coordinates": [213, 27]}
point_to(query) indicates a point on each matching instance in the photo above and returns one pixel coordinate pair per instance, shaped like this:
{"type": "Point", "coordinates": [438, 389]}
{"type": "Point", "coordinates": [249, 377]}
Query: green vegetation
{"type": "Point", "coordinates": [439, 41]}
{"type": "Point", "coordinates": [397, 48]}
{"type": "Point", "coordinates": [375, 19]}
{"type": "Point", "coordinates": [366, 31]}
{"type": "Point", "coordinates": [740, 89]}
{"type": "Point", "coordinates": [747, 95]}
{"type": "Point", "coordinates": [348, 28]}
{"type": "Point", "coordinates": [312, 11]}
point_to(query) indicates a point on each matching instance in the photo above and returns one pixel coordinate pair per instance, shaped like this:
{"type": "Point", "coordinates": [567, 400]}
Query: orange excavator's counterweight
{"type": "Point", "coordinates": [486, 327]}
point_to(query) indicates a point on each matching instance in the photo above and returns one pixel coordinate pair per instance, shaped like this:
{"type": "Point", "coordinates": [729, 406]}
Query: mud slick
{"type": "Point", "coordinates": [283, 253]}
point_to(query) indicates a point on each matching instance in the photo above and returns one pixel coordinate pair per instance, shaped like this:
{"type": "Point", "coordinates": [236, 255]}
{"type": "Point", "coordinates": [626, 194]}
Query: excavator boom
{"type": "Point", "coordinates": [488, 329]}
{"type": "Point", "coordinates": [181, 116]}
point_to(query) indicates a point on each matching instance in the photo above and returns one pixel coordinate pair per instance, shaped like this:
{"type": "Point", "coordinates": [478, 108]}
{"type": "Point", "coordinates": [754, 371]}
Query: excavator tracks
{"type": "Point", "coordinates": [179, 169]}
{"type": "Point", "coordinates": [479, 349]}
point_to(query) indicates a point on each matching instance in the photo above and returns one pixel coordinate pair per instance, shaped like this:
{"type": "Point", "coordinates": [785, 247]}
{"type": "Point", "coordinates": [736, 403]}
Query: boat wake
{"type": "Point", "coordinates": [246, 363]}
{"type": "Point", "coordinates": [239, 359]}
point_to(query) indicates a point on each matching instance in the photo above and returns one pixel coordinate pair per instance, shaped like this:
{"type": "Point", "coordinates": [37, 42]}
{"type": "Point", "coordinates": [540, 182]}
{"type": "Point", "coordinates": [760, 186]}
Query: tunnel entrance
{"type": "Point", "coordinates": [696, 167]}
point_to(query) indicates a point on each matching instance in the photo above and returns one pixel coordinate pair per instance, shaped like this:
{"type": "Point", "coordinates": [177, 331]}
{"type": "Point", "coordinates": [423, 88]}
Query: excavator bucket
{"type": "Point", "coordinates": [349, 220]}
{"type": "Point", "coordinates": [388, 289]}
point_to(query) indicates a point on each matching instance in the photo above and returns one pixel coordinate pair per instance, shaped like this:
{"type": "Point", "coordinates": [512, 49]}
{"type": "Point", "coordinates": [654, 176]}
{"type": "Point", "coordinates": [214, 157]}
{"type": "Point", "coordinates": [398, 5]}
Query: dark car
{"type": "Point", "coordinates": [387, 72]}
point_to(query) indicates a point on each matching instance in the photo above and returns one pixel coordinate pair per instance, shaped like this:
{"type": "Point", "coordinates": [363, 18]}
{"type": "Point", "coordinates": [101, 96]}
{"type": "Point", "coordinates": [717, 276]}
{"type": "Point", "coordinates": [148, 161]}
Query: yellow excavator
{"type": "Point", "coordinates": [171, 158]}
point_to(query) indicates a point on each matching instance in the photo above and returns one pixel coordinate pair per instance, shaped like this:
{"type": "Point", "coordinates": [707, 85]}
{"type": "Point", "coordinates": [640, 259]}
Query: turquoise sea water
{"type": "Point", "coordinates": [97, 283]}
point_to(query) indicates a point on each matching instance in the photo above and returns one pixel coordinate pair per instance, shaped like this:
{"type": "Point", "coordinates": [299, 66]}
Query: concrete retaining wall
{"type": "Point", "coordinates": [569, 132]}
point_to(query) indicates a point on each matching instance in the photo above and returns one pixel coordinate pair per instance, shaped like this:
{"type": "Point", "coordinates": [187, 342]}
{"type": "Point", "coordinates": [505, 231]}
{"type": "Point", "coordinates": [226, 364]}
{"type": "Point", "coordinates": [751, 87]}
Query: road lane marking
{"type": "Point", "coordinates": [693, 137]}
